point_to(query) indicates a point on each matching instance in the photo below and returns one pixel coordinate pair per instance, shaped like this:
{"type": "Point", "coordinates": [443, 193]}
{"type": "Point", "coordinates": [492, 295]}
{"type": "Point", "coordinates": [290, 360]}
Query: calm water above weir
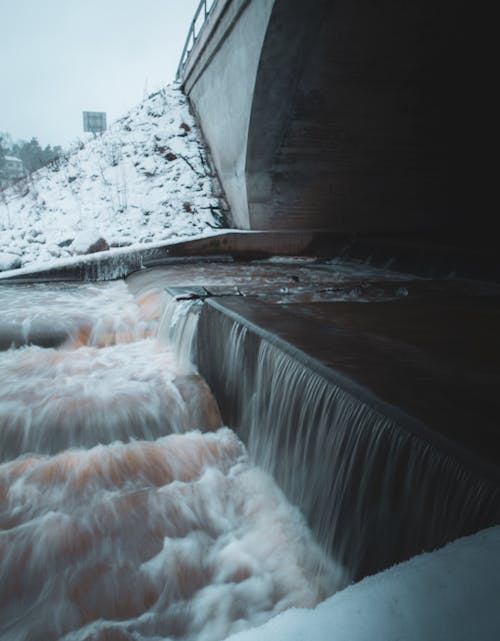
{"type": "Point", "coordinates": [126, 510]}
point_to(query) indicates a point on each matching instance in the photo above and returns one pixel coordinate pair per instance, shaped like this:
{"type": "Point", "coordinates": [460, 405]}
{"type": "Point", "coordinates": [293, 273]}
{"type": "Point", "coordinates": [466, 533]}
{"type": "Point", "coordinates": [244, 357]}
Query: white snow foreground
{"type": "Point", "coordinates": [450, 594]}
{"type": "Point", "coordinates": [144, 180]}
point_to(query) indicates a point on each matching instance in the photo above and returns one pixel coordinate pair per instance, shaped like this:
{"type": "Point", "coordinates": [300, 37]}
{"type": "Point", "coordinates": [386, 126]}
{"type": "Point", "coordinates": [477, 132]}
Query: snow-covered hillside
{"type": "Point", "coordinates": [145, 180]}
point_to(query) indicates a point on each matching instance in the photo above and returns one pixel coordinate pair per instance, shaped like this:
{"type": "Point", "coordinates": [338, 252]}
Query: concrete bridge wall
{"type": "Point", "coordinates": [332, 115]}
{"type": "Point", "coordinates": [220, 83]}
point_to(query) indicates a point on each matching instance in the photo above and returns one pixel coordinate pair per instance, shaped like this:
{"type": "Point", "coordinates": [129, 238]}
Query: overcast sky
{"type": "Point", "coordinates": [61, 57]}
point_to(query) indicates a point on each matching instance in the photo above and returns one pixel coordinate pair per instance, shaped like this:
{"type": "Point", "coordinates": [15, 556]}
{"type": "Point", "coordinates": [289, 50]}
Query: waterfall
{"type": "Point", "coordinates": [375, 486]}
{"type": "Point", "coordinates": [178, 326]}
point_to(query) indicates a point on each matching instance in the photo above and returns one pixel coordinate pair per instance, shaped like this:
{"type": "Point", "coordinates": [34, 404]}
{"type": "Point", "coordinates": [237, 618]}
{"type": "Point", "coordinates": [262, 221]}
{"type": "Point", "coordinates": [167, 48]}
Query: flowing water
{"type": "Point", "coordinates": [127, 511]}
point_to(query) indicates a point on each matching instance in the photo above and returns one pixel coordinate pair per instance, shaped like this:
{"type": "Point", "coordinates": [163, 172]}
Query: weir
{"type": "Point", "coordinates": [376, 486]}
{"type": "Point", "coordinates": [104, 484]}
{"type": "Point", "coordinates": [385, 459]}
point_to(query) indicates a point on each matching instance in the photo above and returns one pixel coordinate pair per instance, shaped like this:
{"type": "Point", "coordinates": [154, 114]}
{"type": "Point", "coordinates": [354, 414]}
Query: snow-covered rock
{"type": "Point", "coordinates": [88, 241]}
{"type": "Point", "coordinates": [145, 180]}
{"type": "Point", "coordinates": [9, 261]}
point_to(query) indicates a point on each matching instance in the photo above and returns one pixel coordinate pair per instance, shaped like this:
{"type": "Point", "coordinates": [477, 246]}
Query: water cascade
{"type": "Point", "coordinates": [126, 510]}
{"type": "Point", "coordinates": [376, 486]}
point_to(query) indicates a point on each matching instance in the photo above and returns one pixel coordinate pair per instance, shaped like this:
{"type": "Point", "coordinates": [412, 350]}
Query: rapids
{"type": "Point", "coordinates": [126, 510]}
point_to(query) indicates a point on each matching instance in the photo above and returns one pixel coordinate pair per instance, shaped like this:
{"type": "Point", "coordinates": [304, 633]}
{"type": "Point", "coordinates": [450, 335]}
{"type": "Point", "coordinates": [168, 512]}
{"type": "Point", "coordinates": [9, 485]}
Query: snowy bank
{"type": "Point", "coordinates": [147, 179]}
{"type": "Point", "coordinates": [450, 594]}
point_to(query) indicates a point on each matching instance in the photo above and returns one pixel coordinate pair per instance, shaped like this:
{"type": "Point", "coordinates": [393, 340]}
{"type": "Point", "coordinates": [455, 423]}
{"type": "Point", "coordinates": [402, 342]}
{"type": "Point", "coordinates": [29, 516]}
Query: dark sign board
{"type": "Point", "coordinates": [94, 121]}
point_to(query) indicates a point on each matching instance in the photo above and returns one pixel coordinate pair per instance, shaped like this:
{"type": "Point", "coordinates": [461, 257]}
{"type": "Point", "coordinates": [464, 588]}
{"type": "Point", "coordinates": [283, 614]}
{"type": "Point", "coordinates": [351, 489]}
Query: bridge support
{"type": "Point", "coordinates": [336, 115]}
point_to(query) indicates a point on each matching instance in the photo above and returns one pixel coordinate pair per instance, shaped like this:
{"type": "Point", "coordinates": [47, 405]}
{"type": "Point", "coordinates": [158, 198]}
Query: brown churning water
{"type": "Point", "coordinates": [126, 510]}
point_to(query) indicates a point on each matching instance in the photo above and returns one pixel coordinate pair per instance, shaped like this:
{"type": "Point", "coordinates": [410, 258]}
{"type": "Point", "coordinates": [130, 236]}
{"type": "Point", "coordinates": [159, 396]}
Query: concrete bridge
{"type": "Point", "coordinates": [334, 115]}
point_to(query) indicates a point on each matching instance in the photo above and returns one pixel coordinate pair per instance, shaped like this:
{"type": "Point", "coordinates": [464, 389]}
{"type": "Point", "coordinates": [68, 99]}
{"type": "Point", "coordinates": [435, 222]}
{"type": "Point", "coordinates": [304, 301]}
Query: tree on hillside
{"type": "Point", "coordinates": [3, 153]}
{"type": "Point", "coordinates": [51, 153]}
{"type": "Point", "coordinates": [32, 154]}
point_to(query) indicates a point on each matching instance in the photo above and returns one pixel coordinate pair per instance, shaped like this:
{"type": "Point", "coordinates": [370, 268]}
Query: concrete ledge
{"type": "Point", "coordinates": [233, 244]}
{"type": "Point", "coordinates": [422, 255]}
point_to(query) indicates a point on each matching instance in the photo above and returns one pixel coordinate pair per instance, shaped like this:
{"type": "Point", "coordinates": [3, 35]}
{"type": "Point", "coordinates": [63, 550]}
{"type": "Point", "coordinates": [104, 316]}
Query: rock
{"type": "Point", "coordinates": [120, 243]}
{"type": "Point", "coordinates": [100, 245]}
{"type": "Point", "coordinates": [9, 261]}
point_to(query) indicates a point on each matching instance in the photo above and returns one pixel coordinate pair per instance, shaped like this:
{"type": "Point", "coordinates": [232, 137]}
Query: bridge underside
{"type": "Point", "coordinates": [341, 116]}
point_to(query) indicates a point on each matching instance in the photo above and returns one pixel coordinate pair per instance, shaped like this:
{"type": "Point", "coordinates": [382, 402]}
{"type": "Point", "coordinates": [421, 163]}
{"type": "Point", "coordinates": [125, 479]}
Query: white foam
{"type": "Point", "coordinates": [181, 537]}
{"type": "Point", "coordinates": [117, 521]}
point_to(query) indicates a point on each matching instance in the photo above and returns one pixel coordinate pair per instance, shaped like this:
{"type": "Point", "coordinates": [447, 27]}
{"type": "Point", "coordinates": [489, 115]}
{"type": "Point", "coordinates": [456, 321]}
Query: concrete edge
{"type": "Point", "coordinates": [413, 426]}
{"type": "Point", "coordinates": [235, 244]}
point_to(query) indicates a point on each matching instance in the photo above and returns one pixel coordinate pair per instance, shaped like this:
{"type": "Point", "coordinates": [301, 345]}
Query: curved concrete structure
{"type": "Point", "coordinates": [331, 115]}
{"type": "Point", "coordinates": [220, 83]}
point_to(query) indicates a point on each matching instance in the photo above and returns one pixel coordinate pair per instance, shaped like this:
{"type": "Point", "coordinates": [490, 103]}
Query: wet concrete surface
{"type": "Point", "coordinates": [427, 347]}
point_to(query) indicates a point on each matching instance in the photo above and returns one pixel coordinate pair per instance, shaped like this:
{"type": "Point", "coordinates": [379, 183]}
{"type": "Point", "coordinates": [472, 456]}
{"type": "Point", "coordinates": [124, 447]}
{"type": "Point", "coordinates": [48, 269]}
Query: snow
{"type": "Point", "coordinates": [145, 180]}
{"type": "Point", "coordinates": [452, 593]}
{"type": "Point", "coordinates": [87, 242]}
{"type": "Point", "coordinates": [9, 261]}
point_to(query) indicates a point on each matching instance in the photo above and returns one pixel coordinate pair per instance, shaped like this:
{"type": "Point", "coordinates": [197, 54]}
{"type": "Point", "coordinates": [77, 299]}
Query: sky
{"type": "Point", "coordinates": [61, 57]}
